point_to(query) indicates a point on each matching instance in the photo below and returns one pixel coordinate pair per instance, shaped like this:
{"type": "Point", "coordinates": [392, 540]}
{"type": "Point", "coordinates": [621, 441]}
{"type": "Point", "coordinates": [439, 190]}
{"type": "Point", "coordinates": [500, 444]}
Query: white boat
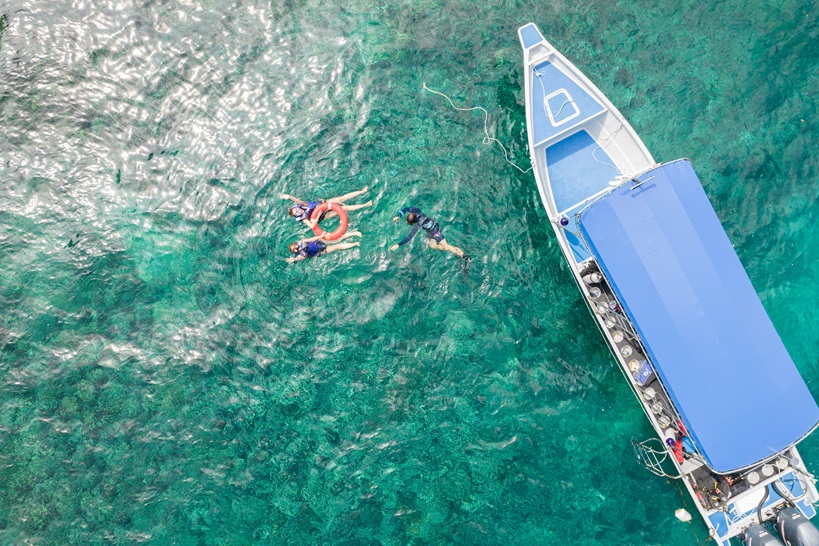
{"type": "Point", "coordinates": [676, 308]}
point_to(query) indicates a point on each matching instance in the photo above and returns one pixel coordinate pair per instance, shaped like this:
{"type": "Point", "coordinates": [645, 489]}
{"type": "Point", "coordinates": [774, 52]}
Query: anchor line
{"type": "Point", "coordinates": [486, 139]}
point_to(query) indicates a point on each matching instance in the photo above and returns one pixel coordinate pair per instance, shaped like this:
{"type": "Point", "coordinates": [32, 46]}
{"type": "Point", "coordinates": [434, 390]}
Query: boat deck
{"type": "Point", "coordinates": [572, 181]}
{"type": "Point", "coordinates": [562, 104]}
{"type": "Point", "coordinates": [578, 167]}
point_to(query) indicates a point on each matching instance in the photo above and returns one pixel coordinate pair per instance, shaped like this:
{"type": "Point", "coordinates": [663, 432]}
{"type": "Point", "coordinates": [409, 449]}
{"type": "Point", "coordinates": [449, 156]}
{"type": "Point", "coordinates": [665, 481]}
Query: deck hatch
{"type": "Point", "coordinates": [550, 88]}
{"type": "Point", "coordinates": [560, 107]}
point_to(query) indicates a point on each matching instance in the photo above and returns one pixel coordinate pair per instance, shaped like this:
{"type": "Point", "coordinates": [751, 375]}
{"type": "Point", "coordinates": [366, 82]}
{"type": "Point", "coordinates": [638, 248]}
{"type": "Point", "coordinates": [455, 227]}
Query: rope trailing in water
{"type": "Point", "coordinates": [486, 139]}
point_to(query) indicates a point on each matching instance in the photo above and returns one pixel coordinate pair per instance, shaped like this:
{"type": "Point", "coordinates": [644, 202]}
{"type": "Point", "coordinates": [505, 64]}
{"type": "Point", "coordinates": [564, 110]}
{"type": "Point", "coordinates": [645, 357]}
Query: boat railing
{"type": "Point", "coordinates": [610, 315]}
{"type": "Point", "coordinates": [652, 454]}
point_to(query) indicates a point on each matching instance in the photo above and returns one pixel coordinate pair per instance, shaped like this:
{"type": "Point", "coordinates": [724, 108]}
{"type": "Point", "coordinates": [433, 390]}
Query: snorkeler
{"type": "Point", "coordinates": [314, 246]}
{"type": "Point", "coordinates": [418, 220]}
{"type": "Point", "coordinates": [302, 210]}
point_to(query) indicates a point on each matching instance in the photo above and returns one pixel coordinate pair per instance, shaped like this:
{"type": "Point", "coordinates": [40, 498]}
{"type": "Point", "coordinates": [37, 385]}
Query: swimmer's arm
{"type": "Point", "coordinates": [296, 200]}
{"type": "Point", "coordinates": [295, 259]}
{"type": "Point", "coordinates": [309, 239]}
{"type": "Point", "coordinates": [403, 212]}
{"type": "Point", "coordinates": [410, 235]}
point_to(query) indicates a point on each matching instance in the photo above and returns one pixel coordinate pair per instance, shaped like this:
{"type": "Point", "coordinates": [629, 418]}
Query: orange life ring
{"type": "Point", "coordinates": [342, 216]}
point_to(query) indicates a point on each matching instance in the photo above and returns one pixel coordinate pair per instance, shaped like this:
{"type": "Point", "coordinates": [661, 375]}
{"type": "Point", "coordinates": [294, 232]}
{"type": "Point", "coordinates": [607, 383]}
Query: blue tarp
{"type": "Point", "coordinates": [670, 262]}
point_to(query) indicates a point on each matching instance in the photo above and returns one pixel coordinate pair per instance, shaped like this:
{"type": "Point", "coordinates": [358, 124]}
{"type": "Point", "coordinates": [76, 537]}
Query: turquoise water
{"type": "Point", "coordinates": [168, 379]}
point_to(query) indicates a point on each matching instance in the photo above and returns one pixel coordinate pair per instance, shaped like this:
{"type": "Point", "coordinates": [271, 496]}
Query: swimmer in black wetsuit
{"type": "Point", "coordinates": [419, 220]}
{"type": "Point", "coordinates": [302, 210]}
{"type": "Point", "coordinates": [315, 246]}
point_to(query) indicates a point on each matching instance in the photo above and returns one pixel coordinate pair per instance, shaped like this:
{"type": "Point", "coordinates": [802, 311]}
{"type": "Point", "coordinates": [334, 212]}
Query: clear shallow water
{"type": "Point", "coordinates": [166, 378]}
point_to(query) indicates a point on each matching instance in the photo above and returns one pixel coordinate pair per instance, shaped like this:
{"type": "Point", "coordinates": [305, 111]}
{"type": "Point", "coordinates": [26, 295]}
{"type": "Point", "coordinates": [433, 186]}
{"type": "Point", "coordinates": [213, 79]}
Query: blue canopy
{"type": "Point", "coordinates": [670, 262]}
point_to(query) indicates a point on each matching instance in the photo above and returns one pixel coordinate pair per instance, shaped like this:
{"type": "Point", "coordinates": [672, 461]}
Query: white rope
{"type": "Point", "coordinates": [486, 139]}
{"type": "Point", "coordinates": [606, 163]}
{"type": "Point", "coordinates": [609, 138]}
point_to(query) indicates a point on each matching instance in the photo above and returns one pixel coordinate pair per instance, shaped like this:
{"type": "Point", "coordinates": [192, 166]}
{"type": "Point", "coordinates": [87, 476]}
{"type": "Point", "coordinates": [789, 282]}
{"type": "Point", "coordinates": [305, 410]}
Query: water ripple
{"type": "Point", "coordinates": [167, 378]}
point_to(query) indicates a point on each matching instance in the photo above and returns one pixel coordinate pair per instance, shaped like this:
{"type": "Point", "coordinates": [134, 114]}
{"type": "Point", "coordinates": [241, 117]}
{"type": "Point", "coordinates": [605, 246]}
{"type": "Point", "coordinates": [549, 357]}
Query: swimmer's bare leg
{"type": "Point", "coordinates": [342, 246]}
{"type": "Point", "coordinates": [350, 234]}
{"type": "Point", "coordinates": [348, 196]}
{"type": "Point", "coordinates": [357, 207]}
{"type": "Point", "coordinates": [443, 245]}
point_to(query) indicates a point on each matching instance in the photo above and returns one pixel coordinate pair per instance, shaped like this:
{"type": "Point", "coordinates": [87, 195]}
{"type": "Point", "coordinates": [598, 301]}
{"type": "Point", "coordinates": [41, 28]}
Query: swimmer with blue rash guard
{"type": "Point", "coordinates": [316, 246]}
{"type": "Point", "coordinates": [302, 210]}
{"type": "Point", "coordinates": [418, 220]}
